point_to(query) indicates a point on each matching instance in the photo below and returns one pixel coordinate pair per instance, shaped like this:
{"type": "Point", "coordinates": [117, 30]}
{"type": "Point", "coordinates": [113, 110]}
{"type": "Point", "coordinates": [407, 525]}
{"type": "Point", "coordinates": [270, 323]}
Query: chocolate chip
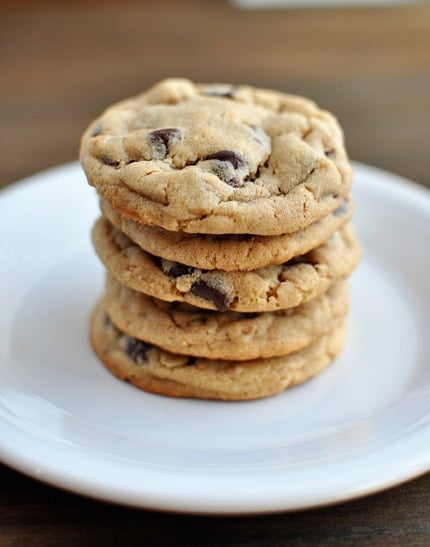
{"type": "Point", "coordinates": [202, 289]}
{"type": "Point", "coordinates": [136, 350]}
{"type": "Point", "coordinates": [228, 157]}
{"type": "Point", "coordinates": [161, 138]}
{"type": "Point", "coordinates": [109, 161]}
{"type": "Point", "coordinates": [237, 160]}
{"type": "Point", "coordinates": [180, 269]}
{"type": "Point", "coordinates": [191, 361]}
{"type": "Point", "coordinates": [340, 211]}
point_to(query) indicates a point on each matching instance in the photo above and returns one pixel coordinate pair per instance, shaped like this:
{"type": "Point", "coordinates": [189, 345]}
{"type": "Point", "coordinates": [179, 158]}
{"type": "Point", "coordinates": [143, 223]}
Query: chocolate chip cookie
{"type": "Point", "coordinates": [155, 370]}
{"type": "Point", "coordinates": [229, 252]}
{"type": "Point", "coordinates": [186, 330]}
{"type": "Point", "coordinates": [187, 157]}
{"type": "Point", "coordinates": [226, 238]}
{"type": "Point", "coordinates": [265, 289]}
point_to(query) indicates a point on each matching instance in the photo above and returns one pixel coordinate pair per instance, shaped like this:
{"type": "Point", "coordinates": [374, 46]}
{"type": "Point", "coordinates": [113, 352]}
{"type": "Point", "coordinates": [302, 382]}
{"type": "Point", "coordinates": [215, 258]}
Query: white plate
{"type": "Point", "coordinates": [362, 425]}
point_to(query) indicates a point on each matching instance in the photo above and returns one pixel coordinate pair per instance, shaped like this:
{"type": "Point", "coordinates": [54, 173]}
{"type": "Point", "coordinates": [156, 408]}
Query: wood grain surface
{"type": "Point", "coordinates": [33, 514]}
{"type": "Point", "coordinates": [63, 62]}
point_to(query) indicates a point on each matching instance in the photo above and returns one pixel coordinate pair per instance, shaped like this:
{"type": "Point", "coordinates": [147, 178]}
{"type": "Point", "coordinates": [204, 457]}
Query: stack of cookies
{"type": "Point", "coordinates": [226, 239]}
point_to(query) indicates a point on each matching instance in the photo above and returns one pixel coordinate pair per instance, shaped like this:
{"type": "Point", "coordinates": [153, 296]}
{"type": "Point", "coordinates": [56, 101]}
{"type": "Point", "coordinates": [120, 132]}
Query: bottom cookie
{"type": "Point", "coordinates": [155, 370]}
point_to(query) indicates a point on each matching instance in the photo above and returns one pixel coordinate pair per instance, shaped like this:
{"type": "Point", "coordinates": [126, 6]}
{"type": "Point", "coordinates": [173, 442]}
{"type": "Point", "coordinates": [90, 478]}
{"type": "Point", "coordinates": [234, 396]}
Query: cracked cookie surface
{"type": "Point", "coordinates": [230, 253]}
{"type": "Point", "coordinates": [229, 335]}
{"type": "Point", "coordinates": [155, 370]}
{"type": "Point", "coordinates": [265, 289]}
{"type": "Point", "coordinates": [189, 157]}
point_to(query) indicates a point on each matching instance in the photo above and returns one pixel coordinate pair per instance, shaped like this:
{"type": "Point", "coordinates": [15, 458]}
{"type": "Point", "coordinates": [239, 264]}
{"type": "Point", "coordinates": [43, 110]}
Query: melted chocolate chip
{"type": "Point", "coordinates": [212, 294]}
{"type": "Point", "coordinates": [237, 160]}
{"type": "Point", "coordinates": [161, 138]}
{"type": "Point", "coordinates": [180, 269]}
{"type": "Point", "coordinates": [342, 210]}
{"type": "Point", "coordinates": [109, 161]}
{"type": "Point", "coordinates": [136, 350]}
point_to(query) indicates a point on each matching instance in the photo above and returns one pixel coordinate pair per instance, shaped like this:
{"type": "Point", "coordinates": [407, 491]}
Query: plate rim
{"type": "Point", "coordinates": [151, 499]}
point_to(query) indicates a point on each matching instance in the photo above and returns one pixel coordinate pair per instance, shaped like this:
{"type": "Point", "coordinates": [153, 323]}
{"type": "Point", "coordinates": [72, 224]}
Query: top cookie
{"type": "Point", "coordinates": [218, 159]}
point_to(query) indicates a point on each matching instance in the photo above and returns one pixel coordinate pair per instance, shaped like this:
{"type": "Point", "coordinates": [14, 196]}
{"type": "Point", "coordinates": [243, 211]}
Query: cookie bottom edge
{"type": "Point", "coordinates": [154, 370]}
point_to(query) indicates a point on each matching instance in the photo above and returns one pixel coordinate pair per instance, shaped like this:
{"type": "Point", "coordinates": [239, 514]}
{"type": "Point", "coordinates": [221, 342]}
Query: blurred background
{"type": "Point", "coordinates": [62, 62]}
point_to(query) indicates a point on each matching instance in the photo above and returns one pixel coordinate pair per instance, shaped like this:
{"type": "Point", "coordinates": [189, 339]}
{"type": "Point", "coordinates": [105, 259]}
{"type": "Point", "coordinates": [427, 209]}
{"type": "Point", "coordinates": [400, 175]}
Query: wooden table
{"type": "Point", "coordinates": [61, 63]}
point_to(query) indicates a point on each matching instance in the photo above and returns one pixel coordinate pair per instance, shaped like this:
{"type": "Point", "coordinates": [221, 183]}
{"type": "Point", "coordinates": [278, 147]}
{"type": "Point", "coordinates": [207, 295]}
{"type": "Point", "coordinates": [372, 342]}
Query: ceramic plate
{"type": "Point", "coordinates": [360, 426]}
